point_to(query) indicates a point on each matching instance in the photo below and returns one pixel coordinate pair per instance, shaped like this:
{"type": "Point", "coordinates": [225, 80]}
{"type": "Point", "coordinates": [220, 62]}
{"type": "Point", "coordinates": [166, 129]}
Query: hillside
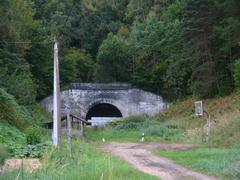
{"type": "Point", "coordinates": [20, 128]}
{"type": "Point", "coordinates": [224, 112]}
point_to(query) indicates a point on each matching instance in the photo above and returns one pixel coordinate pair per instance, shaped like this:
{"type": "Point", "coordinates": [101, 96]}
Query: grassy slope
{"type": "Point", "coordinates": [10, 134]}
{"type": "Point", "coordinates": [225, 111]}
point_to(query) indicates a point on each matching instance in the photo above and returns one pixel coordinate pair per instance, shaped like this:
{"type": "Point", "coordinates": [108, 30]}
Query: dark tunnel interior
{"type": "Point", "coordinates": [103, 110]}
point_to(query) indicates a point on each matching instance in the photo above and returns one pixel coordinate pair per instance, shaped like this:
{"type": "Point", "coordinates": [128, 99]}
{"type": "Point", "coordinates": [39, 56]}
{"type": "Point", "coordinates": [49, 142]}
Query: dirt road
{"type": "Point", "coordinates": [140, 156]}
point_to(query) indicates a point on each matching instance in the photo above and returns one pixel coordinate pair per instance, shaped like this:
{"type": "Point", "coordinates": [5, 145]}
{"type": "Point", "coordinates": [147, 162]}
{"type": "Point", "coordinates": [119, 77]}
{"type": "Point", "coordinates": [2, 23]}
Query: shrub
{"type": "Point", "coordinates": [34, 135]}
{"type": "Point", "coordinates": [12, 112]}
{"type": "Point", "coordinates": [33, 151]}
{"type": "Point", "coordinates": [3, 154]}
{"type": "Point", "coordinates": [10, 134]}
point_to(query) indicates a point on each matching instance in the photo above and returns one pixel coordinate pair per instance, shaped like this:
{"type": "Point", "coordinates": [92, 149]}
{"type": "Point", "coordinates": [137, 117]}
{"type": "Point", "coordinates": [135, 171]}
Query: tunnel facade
{"type": "Point", "coordinates": [90, 99]}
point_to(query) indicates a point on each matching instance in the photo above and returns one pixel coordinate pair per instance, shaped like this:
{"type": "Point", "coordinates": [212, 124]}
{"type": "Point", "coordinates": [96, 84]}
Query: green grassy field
{"type": "Point", "coordinates": [130, 130]}
{"type": "Point", "coordinates": [224, 163]}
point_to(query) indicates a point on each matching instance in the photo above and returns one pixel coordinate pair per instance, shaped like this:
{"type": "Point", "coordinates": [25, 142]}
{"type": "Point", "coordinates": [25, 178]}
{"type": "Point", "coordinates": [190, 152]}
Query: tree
{"type": "Point", "coordinates": [178, 70]}
{"type": "Point", "coordinates": [138, 10]}
{"type": "Point", "coordinates": [113, 61]}
{"type": "Point", "coordinates": [198, 24]}
{"type": "Point", "coordinates": [16, 25]}
{"type": "Point", "coordinates": [40, 59]}
{"type": "Point", "coordinates": [15, 77]}
{"type": "Point", "coordinates": [76, 66]}
{"type": "Point", "coordinates": [149, 65]}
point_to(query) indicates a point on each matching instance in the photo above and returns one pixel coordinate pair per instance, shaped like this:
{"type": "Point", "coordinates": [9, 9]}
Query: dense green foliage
{"type": "Point", "coordinates": [33, 135]}
{"type": "Point", "coordinates": [12, 112]}
{"type": "Point", "coordinates": [113, 61]}
{"type": "Point", "coordinates": [174, 47]}
{"type": "Point", "coordinates": [20, 133]}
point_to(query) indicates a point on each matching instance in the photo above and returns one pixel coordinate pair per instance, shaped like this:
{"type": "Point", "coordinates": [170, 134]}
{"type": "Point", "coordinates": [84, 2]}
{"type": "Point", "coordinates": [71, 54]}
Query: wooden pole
{"type": "Point", "coordinates": [56, 100]}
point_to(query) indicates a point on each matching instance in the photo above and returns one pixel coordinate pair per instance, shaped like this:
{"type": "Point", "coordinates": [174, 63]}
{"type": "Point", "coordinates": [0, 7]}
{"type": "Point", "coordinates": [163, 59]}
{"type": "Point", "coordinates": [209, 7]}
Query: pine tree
{"type": "Point", "coordinates": [197, 27]}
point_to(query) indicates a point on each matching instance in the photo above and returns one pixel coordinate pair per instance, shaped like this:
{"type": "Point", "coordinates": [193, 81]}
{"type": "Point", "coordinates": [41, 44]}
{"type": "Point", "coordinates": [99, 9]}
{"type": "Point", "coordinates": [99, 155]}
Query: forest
{"type": "Point", "coordinates": [175, 48]}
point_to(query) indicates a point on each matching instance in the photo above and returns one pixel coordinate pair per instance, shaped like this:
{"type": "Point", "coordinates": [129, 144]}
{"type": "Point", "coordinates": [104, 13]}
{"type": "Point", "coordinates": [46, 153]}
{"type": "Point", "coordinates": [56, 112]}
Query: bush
{"type": "Point", "coordinates": [34, 135]}
{"type": "Point", "coordinates": [12, 112]}
{"type": "Point", "coordinates": [10, 134]}
{"type": "Point", "coordinates": [33, 151]}
{"type": "Point", "coordinates": [3, 154]}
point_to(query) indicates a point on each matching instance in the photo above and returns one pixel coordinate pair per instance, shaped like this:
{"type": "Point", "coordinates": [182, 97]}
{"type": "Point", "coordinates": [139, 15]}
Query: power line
{"type": "Point", "coordinates": [25, 42]}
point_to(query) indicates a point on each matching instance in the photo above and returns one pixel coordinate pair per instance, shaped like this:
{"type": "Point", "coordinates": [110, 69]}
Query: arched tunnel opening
{"type": "Point", "coordinates": [103, 110]}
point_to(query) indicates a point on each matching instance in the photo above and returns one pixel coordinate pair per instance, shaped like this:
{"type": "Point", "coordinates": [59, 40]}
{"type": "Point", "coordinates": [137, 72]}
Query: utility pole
{"type": "Point", "coordinates": [56, 100]}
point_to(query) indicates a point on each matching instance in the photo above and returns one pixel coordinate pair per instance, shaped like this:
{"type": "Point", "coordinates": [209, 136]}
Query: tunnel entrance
{"type": "Point", "coordinates": [103, 110]}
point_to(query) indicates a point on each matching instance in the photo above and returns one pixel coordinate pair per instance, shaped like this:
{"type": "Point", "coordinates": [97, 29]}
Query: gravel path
{"type": "Point", "coordinates": [140, 156]}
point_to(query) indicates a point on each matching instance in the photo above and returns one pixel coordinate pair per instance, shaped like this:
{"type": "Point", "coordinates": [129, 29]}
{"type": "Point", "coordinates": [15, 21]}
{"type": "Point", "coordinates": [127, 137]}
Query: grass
{"type": "Point", "coordinates": [212, 161]}
{"type": "Point", "coordinates": [130, 130]}
{"type": "Point", "coordinates": [87, 162]}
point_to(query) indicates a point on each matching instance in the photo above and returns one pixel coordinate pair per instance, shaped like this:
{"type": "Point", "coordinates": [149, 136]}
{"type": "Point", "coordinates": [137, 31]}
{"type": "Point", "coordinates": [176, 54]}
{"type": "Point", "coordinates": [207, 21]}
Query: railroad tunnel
{"type": "Point", "coordinates": [103, 110]}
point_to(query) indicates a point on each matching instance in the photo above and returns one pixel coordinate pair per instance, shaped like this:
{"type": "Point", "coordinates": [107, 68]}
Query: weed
{"type": "Point", "coordinates": [34, 135]}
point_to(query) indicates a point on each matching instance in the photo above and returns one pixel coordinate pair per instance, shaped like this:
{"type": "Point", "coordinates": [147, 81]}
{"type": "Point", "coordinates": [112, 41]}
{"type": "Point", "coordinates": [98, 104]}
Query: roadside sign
{"type": "Point", "coordinates": [198, 108]}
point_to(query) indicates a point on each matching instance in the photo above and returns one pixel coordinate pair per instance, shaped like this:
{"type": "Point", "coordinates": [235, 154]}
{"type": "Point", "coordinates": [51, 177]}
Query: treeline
{"type": "Point", "coordinates": [171, 47]}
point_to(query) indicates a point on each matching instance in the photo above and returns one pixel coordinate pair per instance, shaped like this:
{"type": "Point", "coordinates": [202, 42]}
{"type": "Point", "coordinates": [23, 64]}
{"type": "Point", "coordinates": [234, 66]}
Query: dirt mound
{"type": "Point", "coordinates": [27, 164]}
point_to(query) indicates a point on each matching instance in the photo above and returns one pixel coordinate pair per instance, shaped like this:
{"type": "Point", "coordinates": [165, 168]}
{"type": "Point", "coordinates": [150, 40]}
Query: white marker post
{"type": "Point", "coordinates": [56, 100]}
